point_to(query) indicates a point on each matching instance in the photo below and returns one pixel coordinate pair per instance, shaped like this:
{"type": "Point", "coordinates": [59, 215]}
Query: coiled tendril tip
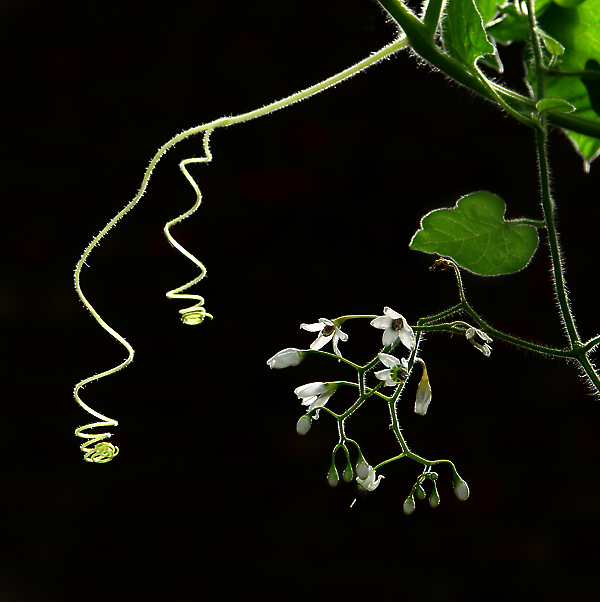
{"type": "Point", "coordinates": [194, 315]}
{"type": "Point", "coordinates": [101, 453]}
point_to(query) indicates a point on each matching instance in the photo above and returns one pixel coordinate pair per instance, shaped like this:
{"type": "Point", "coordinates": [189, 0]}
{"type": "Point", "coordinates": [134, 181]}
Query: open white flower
{"type": "Point", "coordinates": [479, 339]}
{"type": "Point", "coordinates": [370, 483]}
{"type": "Point", "coordinates": [394, 327]}
{"type": "Point", "coordinates": [286, 358]}
{"type": "Point", "coordinates": [396, 371]}
{"type": "Point", "coordinates": [315, 395]}
{"type": "Point", "coordinates": [327, 330]}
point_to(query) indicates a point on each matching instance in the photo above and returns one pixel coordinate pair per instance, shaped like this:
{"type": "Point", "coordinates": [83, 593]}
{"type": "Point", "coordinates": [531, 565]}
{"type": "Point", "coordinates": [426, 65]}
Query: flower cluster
{"type": "Point", "coordinates": [397, 337]}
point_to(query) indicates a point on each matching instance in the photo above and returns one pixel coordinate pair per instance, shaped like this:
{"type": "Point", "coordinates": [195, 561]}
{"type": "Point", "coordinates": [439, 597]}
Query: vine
{"type": "Point", "coordinates": [456, 37]}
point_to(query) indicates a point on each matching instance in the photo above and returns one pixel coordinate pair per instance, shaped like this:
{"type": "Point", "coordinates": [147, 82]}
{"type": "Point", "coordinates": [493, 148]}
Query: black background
{"type": "Point", "coordinates": [307, 213]}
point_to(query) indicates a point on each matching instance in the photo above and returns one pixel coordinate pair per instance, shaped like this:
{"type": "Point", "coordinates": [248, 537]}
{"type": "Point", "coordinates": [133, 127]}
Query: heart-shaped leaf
{"type": "Point", "coordinates": [476, 235]}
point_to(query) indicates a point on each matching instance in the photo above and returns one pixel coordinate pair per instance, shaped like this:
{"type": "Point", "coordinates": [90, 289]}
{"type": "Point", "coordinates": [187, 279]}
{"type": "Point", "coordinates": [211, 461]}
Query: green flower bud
{"type": "Point", "coordinates": [303, 425]}
{"type": "Point", "coordinates": [409, 505]}
{"type": "Point", "coordinates": [461, 490]}
{"type": "Point", "coordinates": [434, 498]}
{"type": "Point", "coordinates": [348, 473]}
{"type": "Point", "coordinates": [332, 476]}
{"type": "Point", "coordinates": [362, 469]}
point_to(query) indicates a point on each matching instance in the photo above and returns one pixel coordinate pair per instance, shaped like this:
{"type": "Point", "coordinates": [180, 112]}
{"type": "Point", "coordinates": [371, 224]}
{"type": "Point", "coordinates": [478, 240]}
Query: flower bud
{"type": "Point", "coordinates": [348, 473]}
{"type": "Point", "coordinates": [409, 505]}
{"type": "Point", "coordinates": [303, 425]}
{"type": "Point", "coordinates": [420, 492]}
{"type": "Point", "coordinates": [434, 498]}
{"type": "Point", "coordinates": [362, 470]}
{"type": "Point", "coordinates": [332, 476]}
{"type": "Point", "coordinates": [286, 358]}
{"type": "Point", "coordinates": [423, 398]}
{"type": "Point", "coordinates": [461, 490]}
{"type": "Point", "coordinates": [480, 340]}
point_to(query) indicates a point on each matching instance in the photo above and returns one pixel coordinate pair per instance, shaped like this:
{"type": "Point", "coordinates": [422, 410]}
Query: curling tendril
{"type": "Point", "coordinates": [95, 447]}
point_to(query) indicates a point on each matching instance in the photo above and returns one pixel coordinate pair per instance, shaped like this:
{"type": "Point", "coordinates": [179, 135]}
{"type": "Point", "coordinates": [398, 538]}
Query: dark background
{"type": "Point", "coordinates": [307, 213]}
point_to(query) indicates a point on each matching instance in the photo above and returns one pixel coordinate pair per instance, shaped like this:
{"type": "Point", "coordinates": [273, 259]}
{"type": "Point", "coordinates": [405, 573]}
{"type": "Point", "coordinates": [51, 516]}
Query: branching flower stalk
{"type": "Point", "coordinates": [396, 374]}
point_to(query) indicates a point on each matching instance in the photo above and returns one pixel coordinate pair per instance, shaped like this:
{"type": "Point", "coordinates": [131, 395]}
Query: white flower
{"type": "Point", "coordinates": [479, 339]}
{"type": "Point", "coordinates": [327, 330]}
{"type": "Point", "coordinates": [423, 393]}
{"type": "Point", "coordinates": [396, 372]}
{"type": "Point", "coordinates": [370, 483]}
{"type": "Point", "coordinates": [315, 395]}
{"type": "Point", "coordinates": [395, 327]}
{"type": "Point", "coordinates": [285, 358]}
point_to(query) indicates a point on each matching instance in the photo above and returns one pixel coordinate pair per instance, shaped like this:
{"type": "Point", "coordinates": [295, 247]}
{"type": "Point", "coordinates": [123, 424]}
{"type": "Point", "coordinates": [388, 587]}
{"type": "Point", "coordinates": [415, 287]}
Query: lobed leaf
{"type": "Point", "coordinates": [477, 237]}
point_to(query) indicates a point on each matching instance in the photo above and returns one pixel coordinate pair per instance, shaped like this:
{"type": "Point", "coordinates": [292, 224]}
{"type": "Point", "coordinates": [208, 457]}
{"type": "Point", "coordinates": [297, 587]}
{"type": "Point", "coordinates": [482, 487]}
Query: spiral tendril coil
{"type": "Point", "coordinates": [194, 314]}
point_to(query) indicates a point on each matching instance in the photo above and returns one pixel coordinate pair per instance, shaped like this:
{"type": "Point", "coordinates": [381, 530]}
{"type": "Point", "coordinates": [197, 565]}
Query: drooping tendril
{"type": "Point", "coordinates": [95, 447]}
{"type": "Point", "coordinates": [196, 313]}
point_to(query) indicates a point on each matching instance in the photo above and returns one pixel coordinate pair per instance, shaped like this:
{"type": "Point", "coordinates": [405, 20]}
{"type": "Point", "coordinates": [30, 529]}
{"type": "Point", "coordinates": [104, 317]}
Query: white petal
{"type": "Point", "coordinates": [311, 389]}
{"type": "Point", "coordinates": [321, 341]}
{"type": "Point", "coordinates": [389, 337]}
{"type": "Point", "coordinates": [320, 401]}
{"type": "Point", "coordinates": [336, 349]}
{"type": "Point", "coordinates": [383, 374]}
{"type": "Point", "coordinates": [381, 322]}
{"type": "Point", "coordinates": [326, 321]}
{"type": "Point", "coordinates": [389, 360]}
{"type": "Point", "coordinates": [394, 315]}
{"type": "Point", "coordinates": [309, 400]}
{"type": "Point", "coordinates": [407, 336]}
{"type": "Point", "coordinates": [316, 327]}
{"type": "Point", "coordinates": [342, 335]}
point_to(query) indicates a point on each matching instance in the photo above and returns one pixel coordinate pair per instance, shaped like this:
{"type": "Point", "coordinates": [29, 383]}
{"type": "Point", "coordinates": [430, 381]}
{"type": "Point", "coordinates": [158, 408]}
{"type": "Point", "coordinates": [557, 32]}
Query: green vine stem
{"type": "Point", "coordinates": [421, 41]}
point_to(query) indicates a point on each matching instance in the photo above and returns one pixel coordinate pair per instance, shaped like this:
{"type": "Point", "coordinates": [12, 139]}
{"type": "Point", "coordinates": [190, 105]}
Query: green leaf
{"type": "Point", "coordinates": [511, 28]}
{"type": "Point", "coordinates": [487, 9]}
{"type": "Point", "coordinates": [463, 33]}
{"type": "Point", "coordinates": [592, 83]}
{"type": "Point", "coordinates": [578, 31]}
{"type": "Point", "coordinates": [476, 235]}
{"type": "Point", "coordinates": [514, 26]}
{"type": "Point", "coordinates": [552, 46]}
{"type": "Point", "coordinates": [569, 3]}
{"type": "Point", "coordinates": [554, 104]}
